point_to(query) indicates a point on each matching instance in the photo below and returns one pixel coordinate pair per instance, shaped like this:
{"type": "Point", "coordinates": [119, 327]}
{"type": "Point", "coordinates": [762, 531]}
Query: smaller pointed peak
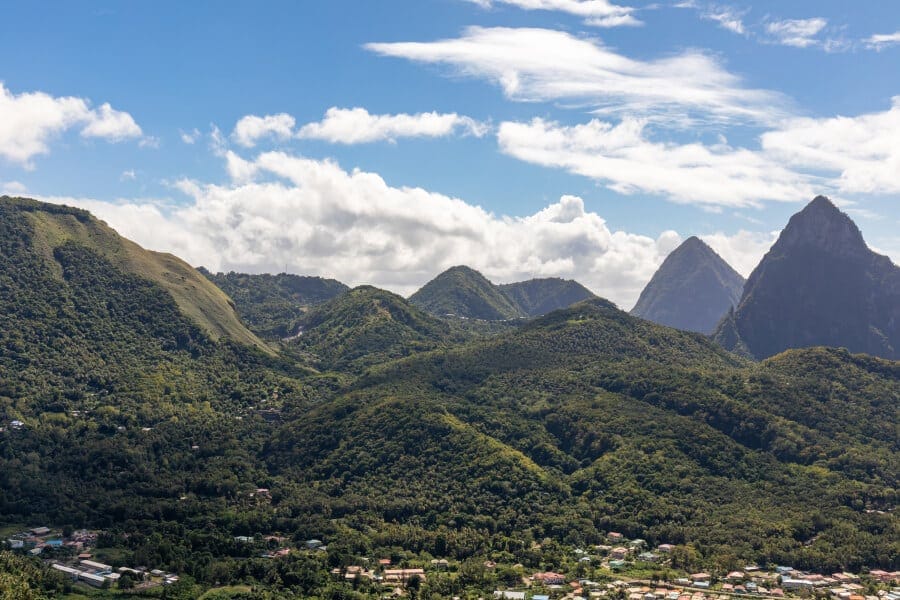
{"type": "Point", "coordinates": [820, 203]}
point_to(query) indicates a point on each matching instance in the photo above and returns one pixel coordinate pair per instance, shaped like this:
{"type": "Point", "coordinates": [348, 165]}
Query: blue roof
{"type": "Point", "coordinates": [540, 597]}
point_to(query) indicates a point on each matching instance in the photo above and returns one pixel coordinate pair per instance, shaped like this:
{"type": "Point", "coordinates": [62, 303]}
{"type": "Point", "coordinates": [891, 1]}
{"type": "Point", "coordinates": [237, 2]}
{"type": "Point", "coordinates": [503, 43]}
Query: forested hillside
{"type": "Point", "coordinates": [386, 431]}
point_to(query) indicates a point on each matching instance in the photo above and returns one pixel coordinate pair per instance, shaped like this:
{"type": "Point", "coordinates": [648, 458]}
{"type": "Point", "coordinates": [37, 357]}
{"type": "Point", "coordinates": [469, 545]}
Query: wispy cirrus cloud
{"type": "Point", "coordinates": [622, 157]}
{"type": "Point", "coordinates": [799, 33]}
{"type": "Point", "coordinates": [880, 41]}
{"type": "Point", "coordinates": [597, 13]}
{"type": "Point", "coordinates": [546, 65]}
{"type": "Point", "coordinates": [30, 120]}
{"type": "Point", "coordinates": [357, 126]}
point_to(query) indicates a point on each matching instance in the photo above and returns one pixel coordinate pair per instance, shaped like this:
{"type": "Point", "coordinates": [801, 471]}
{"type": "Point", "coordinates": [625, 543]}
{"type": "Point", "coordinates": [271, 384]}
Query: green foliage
{"type": "Point", "coordinates": [273, 305]}
{"type": "Point", "coordinates": [464, 292]}
{"type": "Point", "coordinates": [417, 438]}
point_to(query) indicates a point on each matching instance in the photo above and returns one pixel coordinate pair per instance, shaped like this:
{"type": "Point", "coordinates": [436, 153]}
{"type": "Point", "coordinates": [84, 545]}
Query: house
{"type": "Point", "coordinates": [735, 576]}
{"type": "Point", "coordinates": [97, 566]}
{"type": "Point", "coordinates": [665, 548]}
{"type": "Point", "coordinates": [618, 553]}
{"type": "Point", "coordinates": [509, 595]}
{"type": "Point", "coordinates": [540, 597]}
{"type": "Point", "coordinates": [384, 562]}
{"type": "Point", "coordinates": [648, 557]}
{"type": "Point", "coordinates": [616, 564]}
{"type": "Point", "coordinates": [91, 579]}
{"type": "Point", "coordinates": [638, 543]}
{"type": "Point", "coordinates": [40, 531]}
{"type": "Point", "coordinates": [704, 585]}
{"type": "Point", "coordinates": [614, 536]}
{"type": "Point", "coordinates": [15, 544]}
{"type": "Point", "coordinates": [549, 578]}
{"type": "Point", "coordinates": [403, 575]}
{"type": "Point", "coordinates": [313, 544]}
{"type": "Point", "coordinates": [700, 577]}
{"type": "Point", "coordinates": [16, 424]}
{"type": "Point", "coordinates": [796, 584]}
{"type": "Point", "coordinates": [440, 563]}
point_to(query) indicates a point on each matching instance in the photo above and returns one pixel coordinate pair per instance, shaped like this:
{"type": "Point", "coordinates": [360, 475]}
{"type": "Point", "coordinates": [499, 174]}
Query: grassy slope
{"type": "Point", "coordinates": [196, 297]}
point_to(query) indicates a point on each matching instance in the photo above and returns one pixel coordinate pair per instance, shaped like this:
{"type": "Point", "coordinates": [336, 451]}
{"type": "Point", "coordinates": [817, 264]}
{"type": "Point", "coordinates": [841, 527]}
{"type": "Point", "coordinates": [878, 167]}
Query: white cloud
{"type": "Point", "coordinates": [800, 33]}
{"type": "Point", "coordinates": [30, 120]}
{"type": "Point", "coordinates": [879, 41]}
{"type": "Point", "coordinates": [548, 65]}
{"type": "Point", "coordinates": [623, 158]}
{"type": "Point", "coordinates": [861, 153]}
{"type": "Point", "coordinates": [742, 250]}
{"type": "Point", "coordinates": [598, 13]}
{"type": "Point", "coordinates": [357, 125]}
{"type": "Point", "coordinates": [13, 188]}
{"type": "Point", "coordinates": [128, 175]}
{"type": "Point", "coordinates": [727, 18]}
{"type": "Point", "coordinates": [318, 218]}
{"type": "Point", "coordinates": [252, 128]}
{"type": "Point", "coordinates": [190, 137]}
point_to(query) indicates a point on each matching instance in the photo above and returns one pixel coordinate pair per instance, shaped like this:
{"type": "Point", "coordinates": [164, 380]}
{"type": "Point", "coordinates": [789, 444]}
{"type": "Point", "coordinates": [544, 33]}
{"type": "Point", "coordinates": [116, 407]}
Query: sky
{"type": "Point", "coordinates": [381, 142]}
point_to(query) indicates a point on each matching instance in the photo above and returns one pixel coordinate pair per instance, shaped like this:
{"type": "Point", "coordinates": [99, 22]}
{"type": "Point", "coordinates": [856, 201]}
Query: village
{"type": "Point", "coordinates": [618, 571]}
{"type": "Point", "coordinates": [70, 554]}
{"type": "Point", "coordinates": [615, 561]}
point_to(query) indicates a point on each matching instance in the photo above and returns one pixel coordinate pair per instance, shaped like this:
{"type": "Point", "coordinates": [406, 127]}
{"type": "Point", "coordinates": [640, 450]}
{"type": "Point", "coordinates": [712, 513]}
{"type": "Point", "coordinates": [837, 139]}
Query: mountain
{"type": "Point", "coordinates": [272, 305]}
{"type": "Point", "coordinates": [819, 285]}
{"type": "Point", "coordinates": [540, 296]}
{"type": "Point", "coordinates": [118, 411]}
{"type": "Point", "coordinates": [48, 238]}
{"type": "Point", "coordinates": [365, 326]}
{"type": "Point", "coordinates": [464, 292]}
{"type": "Point", "coordinates": [692, 290]}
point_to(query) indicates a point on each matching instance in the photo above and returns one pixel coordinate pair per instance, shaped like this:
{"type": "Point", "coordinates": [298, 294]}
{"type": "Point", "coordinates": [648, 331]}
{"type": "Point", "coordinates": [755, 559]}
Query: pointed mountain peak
{"type": "Point", "coordinates": [823, 225]}
{"type": "Point", "coordinates": [692, 290]}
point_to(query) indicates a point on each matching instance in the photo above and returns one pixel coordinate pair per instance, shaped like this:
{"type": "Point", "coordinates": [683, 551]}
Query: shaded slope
{"type": "Point", "coordinates": [692, 290]}
{"type": "Point", "coordinates": [820, 285]}
{"type": "Point", "coordinates": [272, 305]}
{"type": "Point", "coordinates": [537, 297]}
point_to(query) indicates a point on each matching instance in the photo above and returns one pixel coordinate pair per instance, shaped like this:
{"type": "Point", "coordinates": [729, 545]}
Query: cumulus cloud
{"type": "Point", "coordinates": [742, 250]}
{"type": "Point", "coordinates": [598, 13]}
{"type": "Point", "coordinates": [252, 128]}
{"type": "Point", "coordinates": [800, 33]}
{"type": "Point", "coordinates": [548, 65]}
{"type": "Point", "coordinates": [30, 120]}
{"type": "Point", "coordinates": [860, 153]}
{"type": "Point", "coordinates": [357, 126]}
{"type": "Point", "coordinates": [879, 41]}
{"type": "Point", "coordinates": [622, 157]}
{"type": "Point", "coordinates": [13, 188]}
{"type": "Point", "coordinates": [315, 217]}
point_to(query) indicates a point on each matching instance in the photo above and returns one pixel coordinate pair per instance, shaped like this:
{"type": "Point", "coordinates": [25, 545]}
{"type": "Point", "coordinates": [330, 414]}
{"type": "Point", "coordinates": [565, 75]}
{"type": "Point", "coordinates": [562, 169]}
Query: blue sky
{"type": "Point", "coordinates": [578, 138]}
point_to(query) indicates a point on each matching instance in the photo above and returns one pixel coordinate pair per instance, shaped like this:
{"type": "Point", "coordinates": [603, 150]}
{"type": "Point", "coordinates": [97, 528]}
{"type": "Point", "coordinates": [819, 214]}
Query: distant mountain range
{"type": "Point", "coordinates": [819, 285]}
{"type": "Point", "coordinates": [464, 292]}
{"type": "Point", "coordinates": [692, 290]}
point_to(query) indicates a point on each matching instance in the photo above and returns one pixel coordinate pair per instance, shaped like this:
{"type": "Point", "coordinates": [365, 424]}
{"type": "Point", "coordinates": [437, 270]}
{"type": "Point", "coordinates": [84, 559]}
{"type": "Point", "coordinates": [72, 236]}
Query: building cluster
{"type": "Point", "coordinates": [98, 574]}
{"type": "Point", "coordinates": [37, 540]}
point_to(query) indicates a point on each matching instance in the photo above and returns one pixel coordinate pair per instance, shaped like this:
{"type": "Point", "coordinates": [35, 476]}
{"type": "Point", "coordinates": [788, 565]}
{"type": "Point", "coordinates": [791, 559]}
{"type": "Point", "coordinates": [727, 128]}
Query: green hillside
{"type": "Point", "coordinates": [412, 437]}
{"type": "Point", "coordinates": [272, 305]}
{"type": "Point", "coordinates": [49, 227]}
{"type": "Point", "coordinates": [464, 292]}
{"type": "Point", "coordinates": [366, 326]}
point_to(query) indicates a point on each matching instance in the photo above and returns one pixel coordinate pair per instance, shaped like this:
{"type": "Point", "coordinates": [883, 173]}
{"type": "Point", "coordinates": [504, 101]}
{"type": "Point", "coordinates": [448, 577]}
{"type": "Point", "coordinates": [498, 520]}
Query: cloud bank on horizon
{"type": "Point", "coordinates": [677, 126]}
